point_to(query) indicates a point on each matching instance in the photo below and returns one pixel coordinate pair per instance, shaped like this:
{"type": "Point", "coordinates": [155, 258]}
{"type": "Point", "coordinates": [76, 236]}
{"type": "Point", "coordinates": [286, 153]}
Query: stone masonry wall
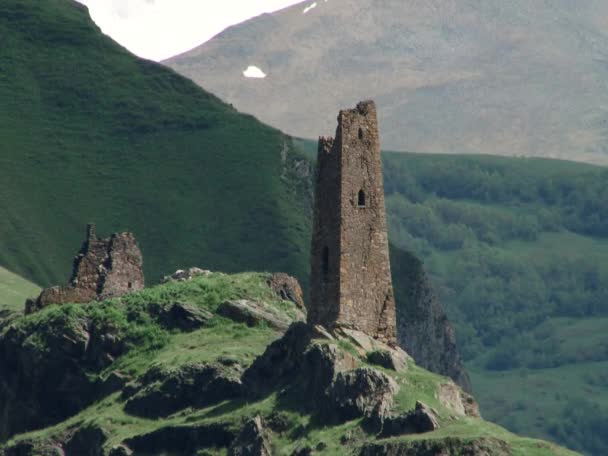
{"type": "Point", "coordinates": [104, 268]}
{"type": "Point", "coordinates": [354, 289]}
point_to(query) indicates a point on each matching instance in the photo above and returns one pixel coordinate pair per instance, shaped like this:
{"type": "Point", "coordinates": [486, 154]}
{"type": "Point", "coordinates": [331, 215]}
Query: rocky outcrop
{"type": "Point", "coordinates": [253, 440]}
{"type": "Point", "coordinates": [254, 313]}
{"type": "Point", "coordinates": [180, 315]}
{"type": "Point", "coordinates": [423, 329]}
{"type": "Point", "coordinates": [104, 268]}
{"type": "Point", "coordinates": [160, 393]}
{"type": "Point", "coordinates": [359, 392]}
{"type": "Point", "coordinates": [336, 389]}
{"type": "Point", "coordinates": [418, 421]}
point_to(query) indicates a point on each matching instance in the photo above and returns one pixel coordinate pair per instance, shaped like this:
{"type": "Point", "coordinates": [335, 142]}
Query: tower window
{"type": "Point", "coordinates": [361, 199]}
{"type": "Point", "coordinates": [325, 263]}
{"type": "Point", "coordinates": [360, 133]}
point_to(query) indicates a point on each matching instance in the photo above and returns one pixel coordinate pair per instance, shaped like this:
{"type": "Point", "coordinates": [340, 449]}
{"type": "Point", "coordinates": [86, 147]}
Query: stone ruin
{"type": "Point", "coordinates": [104, 268]}
{"type": "Point", "coordinates": [350, 276]}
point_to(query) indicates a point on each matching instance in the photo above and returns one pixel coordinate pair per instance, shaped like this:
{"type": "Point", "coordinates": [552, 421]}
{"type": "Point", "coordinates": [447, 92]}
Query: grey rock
{"type": "Point", "coordinates": [421, 419]}
{"type": "Point", "coordinates": [423, 329]}
{"type": "Point", "coordinates": [180, 315]}
{"type": "Point", "coordinates": [253, 440]}
{"type": "Point", "coordinates": [360, 393]}
{"type": "Point", "coordinates": [389, 359]}
{"type": "Point", "coordinates": [184, 275]}
{"type": "Point", "coordinates": [252, 314]}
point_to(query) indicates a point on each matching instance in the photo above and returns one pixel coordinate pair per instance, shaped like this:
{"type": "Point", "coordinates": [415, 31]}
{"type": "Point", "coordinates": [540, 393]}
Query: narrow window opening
{"type": "Point", "coordinates": [130, 285]}
{"type": "Point", "coordinates": [360, 133]}
{"type": "Point", "coordinates": [325, 263]}
{"type": "Point", "coordinates": [361, 199]}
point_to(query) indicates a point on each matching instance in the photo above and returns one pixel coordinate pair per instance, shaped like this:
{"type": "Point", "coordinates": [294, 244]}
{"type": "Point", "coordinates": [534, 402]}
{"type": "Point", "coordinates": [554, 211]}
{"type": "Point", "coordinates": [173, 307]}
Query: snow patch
{"type": "Point", "coordinates": [308, 8]}
{"type": "Point", "coordinates": [254, 72]}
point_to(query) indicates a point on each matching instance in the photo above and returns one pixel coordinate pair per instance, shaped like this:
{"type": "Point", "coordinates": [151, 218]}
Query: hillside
{"type": "Point", "coordinates": [14, 290]}
{"type": "Point", "coordinates": [90, 133]}
{"type": "Point", "coordinates": [458, 76]}
{"type": "Point", "coordinates": [183, 377]}
{"type": "Point", "coordinates": [517, 250]}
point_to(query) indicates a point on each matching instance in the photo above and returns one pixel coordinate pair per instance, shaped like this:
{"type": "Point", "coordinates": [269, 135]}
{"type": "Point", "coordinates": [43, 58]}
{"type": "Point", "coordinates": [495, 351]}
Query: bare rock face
{"type": "Point", "coordinates": [318, 369]}
{"type": "Point", "coordinates": [253, 440]}
{"type": "Point", "coordinates": [360, 392]}
{"type": "Point", "coordinates": [423, 329]}
{"type": "Point", "coordinates": [104, 268]}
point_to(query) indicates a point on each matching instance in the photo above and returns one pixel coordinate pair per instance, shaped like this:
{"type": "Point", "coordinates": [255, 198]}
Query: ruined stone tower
{"type": "Point", "coordinates": [350, 277]}
{"type": "Point", "coordinates": [104, 268]}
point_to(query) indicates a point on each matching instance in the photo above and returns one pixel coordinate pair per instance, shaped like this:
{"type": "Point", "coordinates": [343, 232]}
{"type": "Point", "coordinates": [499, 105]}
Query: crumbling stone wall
{"type": "Point", "coordinates": [350, 277]}
{"type": "Point", "coordinates": [104, 268]}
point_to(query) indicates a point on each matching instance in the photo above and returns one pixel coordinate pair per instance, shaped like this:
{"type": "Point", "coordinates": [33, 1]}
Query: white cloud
{"type": "Point", "coordinates": [158, 29]}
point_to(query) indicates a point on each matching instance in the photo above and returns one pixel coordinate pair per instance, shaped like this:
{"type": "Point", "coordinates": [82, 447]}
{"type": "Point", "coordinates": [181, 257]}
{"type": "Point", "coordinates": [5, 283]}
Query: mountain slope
{"type": "Point", "coordinates": [91, 133]}
{"type": "Point", "coordinates": [511, 78]}
{"type": "Point", "coordinates": [14, 290]}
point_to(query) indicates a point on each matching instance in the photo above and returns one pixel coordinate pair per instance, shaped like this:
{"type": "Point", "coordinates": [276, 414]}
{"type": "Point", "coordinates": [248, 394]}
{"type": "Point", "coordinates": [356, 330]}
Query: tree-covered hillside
{"type": "Point", "coordinates": [518, 251]}
{"type": "Point", "coordinates": [90, 133]}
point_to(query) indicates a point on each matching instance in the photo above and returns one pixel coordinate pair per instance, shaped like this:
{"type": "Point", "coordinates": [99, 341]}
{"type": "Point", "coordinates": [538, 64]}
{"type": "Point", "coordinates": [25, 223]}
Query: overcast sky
{"type": "Point", "coordinates": [158, 29]}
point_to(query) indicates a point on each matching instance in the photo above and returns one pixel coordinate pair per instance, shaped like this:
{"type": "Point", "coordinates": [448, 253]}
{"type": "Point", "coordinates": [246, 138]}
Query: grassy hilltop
{"type": "Point", "coordinates": [91, 133]}
{"type": "Point", "coordinates": [144, 397]}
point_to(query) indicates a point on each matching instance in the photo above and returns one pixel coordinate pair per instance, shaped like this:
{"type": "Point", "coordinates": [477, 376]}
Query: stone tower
{"type": "Point", "coordinates": [350, 277]}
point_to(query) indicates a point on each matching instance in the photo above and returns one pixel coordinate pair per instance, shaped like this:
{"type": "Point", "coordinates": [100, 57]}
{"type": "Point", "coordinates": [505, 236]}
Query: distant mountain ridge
{"type": "Point", "coordinates": [509, 78]}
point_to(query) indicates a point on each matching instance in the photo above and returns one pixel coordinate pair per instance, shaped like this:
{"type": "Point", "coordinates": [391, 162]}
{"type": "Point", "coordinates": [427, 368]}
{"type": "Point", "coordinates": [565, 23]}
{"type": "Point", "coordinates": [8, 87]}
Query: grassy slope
{"type": "Point", "coordinates": [228, 339]}
{"type": "Point", "coordinates": [14, 290]}
{"type": "Point", "coordinates": [91, 133]}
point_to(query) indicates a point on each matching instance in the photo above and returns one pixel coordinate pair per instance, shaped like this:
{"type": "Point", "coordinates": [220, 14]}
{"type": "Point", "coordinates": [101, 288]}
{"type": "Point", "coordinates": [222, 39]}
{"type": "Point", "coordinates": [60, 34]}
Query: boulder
{"type": "Point", "coordinates": [420, 420]}
{"type": "Point", "coordinates": [389, 359]}
{"type": "Point", "coordinates": [298, 361]}
{"type": "Point", "coordinates": [160, 392]}
{"type": "Point", "coordinates": [253, 440]}
{"type": "Point", "coordinates": [183, 275]}
{"type": "Point", "coordinates": [253, 314]}
{"type": "Point", "coordinates": [359, 393]}
{"type": "Point", "coordinates": [180, 315]}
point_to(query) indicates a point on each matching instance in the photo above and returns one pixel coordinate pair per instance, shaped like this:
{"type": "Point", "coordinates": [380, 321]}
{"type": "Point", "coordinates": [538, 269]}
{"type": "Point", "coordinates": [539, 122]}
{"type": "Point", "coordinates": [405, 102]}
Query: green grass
{"type": "Point", "coordinates": [14, 290]}
{"type": "Point", "coordinates": [168, 350]}
{"type": "Point", "coordinates": [90, 133]}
